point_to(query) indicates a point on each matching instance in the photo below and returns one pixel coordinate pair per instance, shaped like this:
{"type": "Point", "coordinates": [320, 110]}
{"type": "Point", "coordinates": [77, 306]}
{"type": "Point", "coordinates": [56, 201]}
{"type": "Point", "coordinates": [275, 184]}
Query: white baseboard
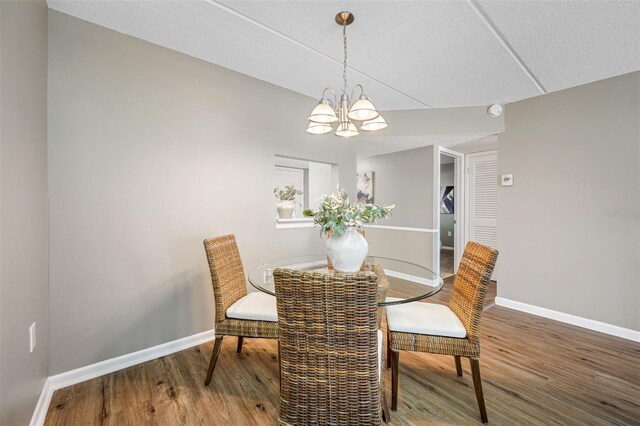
{"type": "Point", "coordinates": [415, 279]}
{"type": "Point", "coordinates": [590, 324]}
{"type": "Point", "coordinates": [98, 369]}
{"type": "Point", "coordinates": [40, 413]}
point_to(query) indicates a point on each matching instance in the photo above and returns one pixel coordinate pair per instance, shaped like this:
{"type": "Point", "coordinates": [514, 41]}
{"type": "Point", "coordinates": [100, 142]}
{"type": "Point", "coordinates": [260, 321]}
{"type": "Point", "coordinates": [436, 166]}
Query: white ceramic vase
{"type": "Point", "coordinates": [348, 250]}
{"type": "Point", "coordinates": [286, 208]}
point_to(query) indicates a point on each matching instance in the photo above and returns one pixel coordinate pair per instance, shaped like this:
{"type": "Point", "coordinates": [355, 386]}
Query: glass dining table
{"type": "Point", "coordinates": [408, 282]}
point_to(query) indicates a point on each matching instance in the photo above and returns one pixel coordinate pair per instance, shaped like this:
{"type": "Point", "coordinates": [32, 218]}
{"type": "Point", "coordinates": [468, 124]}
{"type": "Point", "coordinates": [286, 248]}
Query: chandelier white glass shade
{"type": "Point", "coordinates": [323, 113]}
{"type": "Point", "coordinates": [319, 128]}
{"type": "Point", "coordinates": [377, 123]}
{"type": "Point", "coordinates": [343, 112]}
{"type": "Point", "coordinates": [346, 130]}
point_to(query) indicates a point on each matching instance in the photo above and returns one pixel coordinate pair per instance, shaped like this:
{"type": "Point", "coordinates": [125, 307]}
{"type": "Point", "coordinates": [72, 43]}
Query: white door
{"type": "Point", "coordinates": [482, 208]}
{"type": "Point", "coordinates": [290, 176]}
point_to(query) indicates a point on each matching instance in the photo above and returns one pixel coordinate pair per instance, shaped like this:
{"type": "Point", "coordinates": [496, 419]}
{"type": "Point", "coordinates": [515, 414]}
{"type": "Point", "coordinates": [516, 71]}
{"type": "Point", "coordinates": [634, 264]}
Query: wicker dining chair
{"type": "Point", "coordinates": [438, 329]}
{"type": "Point", "coordinates": [330, 348]}
{"type": "Point", "coordinates": [238, 313]}
{"type": "Point", "coordinates": [383, 288]}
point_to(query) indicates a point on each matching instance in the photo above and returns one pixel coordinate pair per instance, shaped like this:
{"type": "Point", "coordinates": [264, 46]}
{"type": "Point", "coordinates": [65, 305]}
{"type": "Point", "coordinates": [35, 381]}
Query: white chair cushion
{"type": "Point", "coordinates": [255, 306]}
{"type": "Point", "coordinates": [424, 318]}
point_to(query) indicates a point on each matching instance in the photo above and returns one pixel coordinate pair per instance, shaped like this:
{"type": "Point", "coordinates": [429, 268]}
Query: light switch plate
{"type": "Point", "coordinates": [32, 337]}
{"type": "Point", "coordinates": [506, 180]}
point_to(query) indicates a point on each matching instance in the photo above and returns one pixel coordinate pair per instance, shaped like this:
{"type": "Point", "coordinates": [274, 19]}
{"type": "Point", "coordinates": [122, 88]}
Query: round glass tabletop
{"type": "Point", "coordinates": [408, 282]}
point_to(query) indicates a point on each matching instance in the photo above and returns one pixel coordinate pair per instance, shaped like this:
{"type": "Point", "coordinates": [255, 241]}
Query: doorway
{"type": "Point", "coordinates": [450, 208]}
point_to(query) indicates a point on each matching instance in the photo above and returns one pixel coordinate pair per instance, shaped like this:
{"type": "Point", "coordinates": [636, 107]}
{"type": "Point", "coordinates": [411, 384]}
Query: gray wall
{"type": "Point", "coordinates": [405, 179]}
{"type": "Point", "coordinates": [411, 246]}
{"type": "Point", "coordinates": [446, 220]}
{"type": "Point", "coordinates": [575, 158]}
{"type": "Point", "coordinates": [439, 121]}
{"type": "Point", "coordinates": [151, 151]}
{"type": "Point", "coordinates": [23, 207]}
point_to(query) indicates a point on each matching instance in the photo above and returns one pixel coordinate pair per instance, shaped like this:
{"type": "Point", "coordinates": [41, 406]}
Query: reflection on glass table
{"type": "Point", "coordinates": [408, 282]}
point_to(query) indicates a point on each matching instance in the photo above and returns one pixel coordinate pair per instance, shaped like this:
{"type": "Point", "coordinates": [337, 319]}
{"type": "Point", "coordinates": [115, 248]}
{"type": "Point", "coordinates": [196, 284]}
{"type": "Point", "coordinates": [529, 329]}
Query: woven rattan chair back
{"type": "Point", "coordinates": [227, 273]}
{"type": "Point", "coordinates": [470, 286]}
{"type": "Point", "coordinates": [383, 289]}
{"type": "Point", "coordinates": [328, 333]}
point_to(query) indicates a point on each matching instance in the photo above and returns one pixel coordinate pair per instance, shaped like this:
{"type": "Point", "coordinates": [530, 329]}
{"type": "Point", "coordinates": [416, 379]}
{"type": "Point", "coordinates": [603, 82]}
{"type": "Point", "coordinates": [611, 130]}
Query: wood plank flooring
{"type": "Point", "coordinates": [446, 263]}
{"type": "Point", "coordinates": [535, 372]}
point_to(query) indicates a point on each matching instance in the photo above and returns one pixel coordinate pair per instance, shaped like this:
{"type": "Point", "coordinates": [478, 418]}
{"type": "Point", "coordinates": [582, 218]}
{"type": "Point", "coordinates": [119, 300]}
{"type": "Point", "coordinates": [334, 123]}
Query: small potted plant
{"type": "Point", "coordinates": [286, 200]}
{"type": "Point", "coordinates": [308, 213]}
{"type": "Point", "coordinates": [346, 247]}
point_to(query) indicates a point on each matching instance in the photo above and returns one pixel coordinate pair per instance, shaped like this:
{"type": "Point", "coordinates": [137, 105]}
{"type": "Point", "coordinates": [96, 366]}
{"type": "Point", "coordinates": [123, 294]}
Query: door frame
{"type": "Point", "coordinates": [459, 215]}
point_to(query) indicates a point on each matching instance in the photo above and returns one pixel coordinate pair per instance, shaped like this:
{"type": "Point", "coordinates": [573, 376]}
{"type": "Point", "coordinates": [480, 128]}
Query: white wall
{"type": "Point", "coordinates": [24, 293]}
{"type": "Point", "coordinates": [438, 121]}
{"type": "Point", "coordinates": [320, 183]}
{"type": "Point", "coordinates": [151, 151]}
{"type": "Point", "coordinates": [570, 225]}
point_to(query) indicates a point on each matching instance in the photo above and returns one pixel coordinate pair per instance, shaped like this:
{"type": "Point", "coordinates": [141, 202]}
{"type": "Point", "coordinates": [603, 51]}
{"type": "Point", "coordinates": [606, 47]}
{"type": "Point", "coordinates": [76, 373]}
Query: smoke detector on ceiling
{"type": "Point", "coordinates": [494, 110]}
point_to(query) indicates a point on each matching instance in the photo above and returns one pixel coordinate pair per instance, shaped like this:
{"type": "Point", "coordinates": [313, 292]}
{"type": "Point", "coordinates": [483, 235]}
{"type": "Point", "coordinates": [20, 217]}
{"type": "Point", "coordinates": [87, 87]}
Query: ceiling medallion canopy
{"type": "Point", "coordinates": [343, 112]}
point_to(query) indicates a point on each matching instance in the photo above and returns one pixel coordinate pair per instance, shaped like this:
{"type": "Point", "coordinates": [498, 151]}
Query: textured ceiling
{"type": "Point", "coordinates": [407, 54]}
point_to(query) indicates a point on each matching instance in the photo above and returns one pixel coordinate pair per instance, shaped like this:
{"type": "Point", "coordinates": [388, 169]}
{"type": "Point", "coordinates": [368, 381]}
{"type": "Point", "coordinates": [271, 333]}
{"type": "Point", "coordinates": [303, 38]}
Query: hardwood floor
{"type": "Point", "coordinates": [535, 372]}
{"type": "Point", "coordinates": [446, 263]}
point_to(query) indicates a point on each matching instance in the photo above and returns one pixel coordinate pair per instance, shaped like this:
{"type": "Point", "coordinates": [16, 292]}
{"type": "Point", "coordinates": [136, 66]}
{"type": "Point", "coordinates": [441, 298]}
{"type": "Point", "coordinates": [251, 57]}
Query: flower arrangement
{"type": "Point", "coordinates": [287, 194]}
{"type": "Point", "coordinates": [337, 214]}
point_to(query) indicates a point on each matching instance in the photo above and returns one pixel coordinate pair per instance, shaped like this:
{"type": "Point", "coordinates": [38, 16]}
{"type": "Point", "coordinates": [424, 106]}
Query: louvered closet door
{"type": "Point", "coordinates": [483, 197]}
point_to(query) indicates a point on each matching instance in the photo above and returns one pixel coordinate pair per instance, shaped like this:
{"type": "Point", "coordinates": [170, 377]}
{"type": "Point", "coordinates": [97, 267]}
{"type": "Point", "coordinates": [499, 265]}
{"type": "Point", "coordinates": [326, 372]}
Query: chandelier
{"type": "Point", "coordinates": [344, 113]}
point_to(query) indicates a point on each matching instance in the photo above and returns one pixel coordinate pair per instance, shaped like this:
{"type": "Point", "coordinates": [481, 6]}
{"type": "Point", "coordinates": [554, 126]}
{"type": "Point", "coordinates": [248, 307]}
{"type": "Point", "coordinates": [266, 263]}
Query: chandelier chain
{"type": "Point", "coordinates": [344, 69]}
{"type": "Point", "coordinates": [347, 108]}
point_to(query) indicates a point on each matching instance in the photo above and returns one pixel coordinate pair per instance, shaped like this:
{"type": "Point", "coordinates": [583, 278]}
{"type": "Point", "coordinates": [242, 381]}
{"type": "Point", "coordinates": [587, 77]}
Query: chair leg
{"type": "Point", "coordinates": [458, 365]}
{"type": "Point", "coordinates": [214, 358]}
{"type": "Point", "coordinates": [477, 384]}
{"type": "Point", "coordinates": [388, 348]}
{"type": "Point", "coordinates": [386, 416]}
{"type": "Point", "coordinates": [240, 342]}
{"type": "Point", "coordinates": [395, 361]}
